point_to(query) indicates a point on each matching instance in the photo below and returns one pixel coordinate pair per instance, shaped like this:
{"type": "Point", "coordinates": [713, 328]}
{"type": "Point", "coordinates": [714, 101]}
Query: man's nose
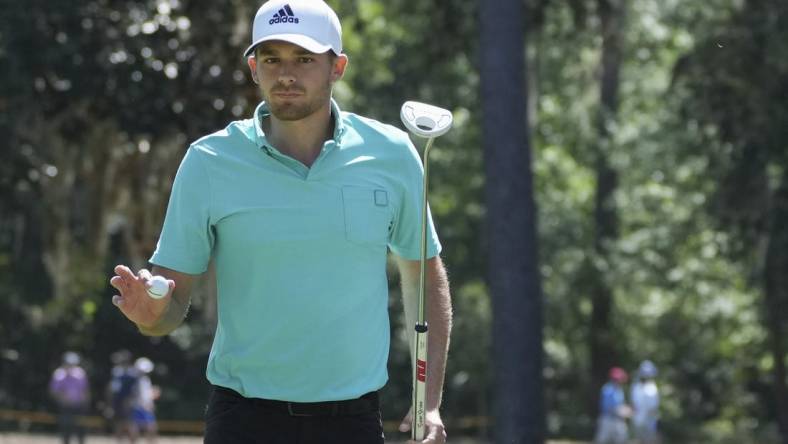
{"type": "Point", "coordinates": [286, 76]}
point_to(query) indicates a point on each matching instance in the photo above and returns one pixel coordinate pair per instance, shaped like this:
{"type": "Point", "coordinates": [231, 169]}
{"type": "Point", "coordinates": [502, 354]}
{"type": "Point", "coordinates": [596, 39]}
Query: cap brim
{"type": "Point", "coordinates": [303, 41]}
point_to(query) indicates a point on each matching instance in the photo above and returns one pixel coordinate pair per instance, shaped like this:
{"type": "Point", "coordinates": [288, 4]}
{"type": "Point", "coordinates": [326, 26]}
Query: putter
{"type": "Point", "coordinates": [429, 122]}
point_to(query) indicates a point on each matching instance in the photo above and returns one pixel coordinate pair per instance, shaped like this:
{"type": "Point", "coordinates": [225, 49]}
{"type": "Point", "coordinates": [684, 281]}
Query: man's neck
{"type": "Point", "coordinates": [300, 139]}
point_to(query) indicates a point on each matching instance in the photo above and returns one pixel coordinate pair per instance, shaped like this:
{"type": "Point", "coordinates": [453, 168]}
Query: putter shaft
{"type": "Point", "coordinates": [421, 328]}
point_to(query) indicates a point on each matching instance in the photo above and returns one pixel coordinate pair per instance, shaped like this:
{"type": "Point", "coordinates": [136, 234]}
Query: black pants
{"type": "Point", "coordinates": [69, 424]}
{"type": "Point", "coordinates": [233, 419]}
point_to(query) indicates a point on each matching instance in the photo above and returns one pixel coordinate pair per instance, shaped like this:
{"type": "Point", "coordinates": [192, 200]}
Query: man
{"type": "Point", "coordinates": [613, 410]}
{"type": "Point", "coordinates": [70, 389]}
{"type": "Point", "coordinates": [298, 207]}
{"type": "Point", "coordinates": [645, 404]}
{"type": "Point", "coordinates": [120, 396]}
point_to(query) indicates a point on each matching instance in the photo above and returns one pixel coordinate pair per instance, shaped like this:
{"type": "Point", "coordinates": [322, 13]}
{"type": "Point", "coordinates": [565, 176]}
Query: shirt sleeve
{"type": "Point", "coordinates": [187, 236]}
{"type": "Point", "coordinates": [405, 240]}
{"type": "Point", "coordinates": [55, 381]}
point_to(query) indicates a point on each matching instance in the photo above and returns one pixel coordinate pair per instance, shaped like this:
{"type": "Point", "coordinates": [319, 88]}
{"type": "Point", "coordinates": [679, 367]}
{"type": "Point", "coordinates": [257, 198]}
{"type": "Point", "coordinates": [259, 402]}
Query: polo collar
{"type": "Point", "coordinates": [262, 111]}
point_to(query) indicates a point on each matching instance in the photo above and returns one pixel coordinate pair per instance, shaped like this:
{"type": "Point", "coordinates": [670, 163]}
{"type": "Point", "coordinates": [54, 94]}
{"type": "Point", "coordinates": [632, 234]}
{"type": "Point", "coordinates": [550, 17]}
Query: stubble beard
{"type": "Point", "coordinates": [300, 108]}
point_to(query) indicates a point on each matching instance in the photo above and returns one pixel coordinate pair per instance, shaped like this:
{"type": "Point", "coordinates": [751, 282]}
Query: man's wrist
{"type": "Point", "coordinates": [155, 330]}
{"type": "Point", "coordinates": [161, 327]}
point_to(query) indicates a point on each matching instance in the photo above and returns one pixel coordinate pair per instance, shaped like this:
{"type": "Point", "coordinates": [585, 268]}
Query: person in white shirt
{"type": "Point", "coordinates": [145, 394]}
{"type": "Point", "coordinates": [645, 404]}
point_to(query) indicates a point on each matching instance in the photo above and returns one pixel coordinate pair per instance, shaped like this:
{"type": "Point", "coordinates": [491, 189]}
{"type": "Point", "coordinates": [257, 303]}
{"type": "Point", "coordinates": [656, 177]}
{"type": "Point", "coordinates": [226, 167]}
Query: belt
{"type": "Point", "coordinates": [367, 403]}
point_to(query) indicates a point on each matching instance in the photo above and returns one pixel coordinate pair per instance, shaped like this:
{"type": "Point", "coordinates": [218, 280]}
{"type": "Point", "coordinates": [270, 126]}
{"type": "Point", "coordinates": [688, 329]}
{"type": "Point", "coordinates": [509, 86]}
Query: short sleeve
{"type": "Point", "coordinates": [405, 238]}
{"type": "Point", "coordinates": [187, 236]}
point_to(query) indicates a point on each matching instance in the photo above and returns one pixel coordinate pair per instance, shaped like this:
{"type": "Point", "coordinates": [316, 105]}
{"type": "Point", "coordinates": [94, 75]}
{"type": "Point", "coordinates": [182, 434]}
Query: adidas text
{"type": "Point", "coordinates": [283, 20]}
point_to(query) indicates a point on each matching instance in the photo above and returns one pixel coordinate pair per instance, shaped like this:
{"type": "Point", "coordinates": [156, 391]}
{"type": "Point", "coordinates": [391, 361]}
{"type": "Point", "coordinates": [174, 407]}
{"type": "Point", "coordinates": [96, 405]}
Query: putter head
{"type": "Point", "coordinates": [425, 120]}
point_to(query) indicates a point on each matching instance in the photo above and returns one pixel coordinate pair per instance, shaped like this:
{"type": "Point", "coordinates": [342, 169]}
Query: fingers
{"type": "Point", "coordinates": [118, 283]}
{"type": "Point", "coordinates": [144, 274]}
{"type": "Point", "coordinates": [133, 299]}
{"type": "Point", "coordinates": [435, 433]}
{"type": "Point", "coordinates": [125, 281]}
{"type": "Point", "coordinates": [406, 423]}
{"type": "Point", "coordinates": [125, 278]}
{"type": "Point", "coordinates": [124, 272]}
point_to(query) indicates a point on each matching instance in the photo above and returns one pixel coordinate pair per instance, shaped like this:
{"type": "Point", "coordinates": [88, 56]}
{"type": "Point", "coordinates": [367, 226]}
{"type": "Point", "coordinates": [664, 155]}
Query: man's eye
{"type": "Point", "coordinates": [269, 60]}
{"type": "Point", "coordinates": [306, 59]}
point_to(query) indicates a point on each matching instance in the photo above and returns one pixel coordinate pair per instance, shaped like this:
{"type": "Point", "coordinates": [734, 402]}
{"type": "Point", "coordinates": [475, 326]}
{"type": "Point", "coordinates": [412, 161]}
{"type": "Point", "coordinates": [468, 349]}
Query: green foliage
{"type": "Point", "coordinates": [99, 99]}
{"type": "Point", "coordinates": [674, 269]}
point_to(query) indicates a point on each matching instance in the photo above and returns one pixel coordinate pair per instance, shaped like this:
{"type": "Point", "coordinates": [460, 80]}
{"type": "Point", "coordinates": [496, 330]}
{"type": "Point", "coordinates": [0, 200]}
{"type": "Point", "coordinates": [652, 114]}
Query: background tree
{"type": "Point", "coordinates": [513, 276]}
{"type": "Point", "coordinates": [731, 79]}
{"type": "Point", "coordinates": [602, 338]}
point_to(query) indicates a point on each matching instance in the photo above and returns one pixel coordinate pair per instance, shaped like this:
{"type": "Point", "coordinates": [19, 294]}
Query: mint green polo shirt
{"type": "Point", "coordinates": [300, 253]}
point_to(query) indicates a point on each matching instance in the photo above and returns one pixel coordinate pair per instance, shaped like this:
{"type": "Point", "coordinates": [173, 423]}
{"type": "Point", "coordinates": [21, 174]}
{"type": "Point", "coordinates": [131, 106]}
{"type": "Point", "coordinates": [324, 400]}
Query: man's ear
{"type": "Point", "coordinates": [338, 70]}
{"type": "Point", "coordinates": [252, 62]}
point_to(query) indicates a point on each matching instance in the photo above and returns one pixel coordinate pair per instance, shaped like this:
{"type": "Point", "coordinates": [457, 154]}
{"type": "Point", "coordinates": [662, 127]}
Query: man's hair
{"type": "Point", "coordinates": [332, 56]}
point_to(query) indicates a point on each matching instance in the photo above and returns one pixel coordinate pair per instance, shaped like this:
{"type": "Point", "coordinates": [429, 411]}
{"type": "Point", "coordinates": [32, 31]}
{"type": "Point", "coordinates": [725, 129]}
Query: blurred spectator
{"type": "Point", "coordinates": [645, 404]}
{"type": "Point", "coordinates": [613, 410]}
{"type": "Point", "coordinates": [145, 395]}
{"type": "Point", "coordinates": [70, 389]}
{"type": "Point", "coordinates": [120, 396]}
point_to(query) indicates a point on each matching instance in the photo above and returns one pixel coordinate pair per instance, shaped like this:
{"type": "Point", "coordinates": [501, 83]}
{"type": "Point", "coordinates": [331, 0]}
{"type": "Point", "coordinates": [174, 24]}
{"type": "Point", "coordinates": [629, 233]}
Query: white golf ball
{"type": "Point", "coordinates": [158, 287]}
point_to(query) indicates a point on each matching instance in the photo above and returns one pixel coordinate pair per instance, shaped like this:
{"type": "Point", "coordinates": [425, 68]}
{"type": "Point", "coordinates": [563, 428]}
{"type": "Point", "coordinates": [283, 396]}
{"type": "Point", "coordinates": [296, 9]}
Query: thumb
{"type": "Point", "coordinates": [406, 423]}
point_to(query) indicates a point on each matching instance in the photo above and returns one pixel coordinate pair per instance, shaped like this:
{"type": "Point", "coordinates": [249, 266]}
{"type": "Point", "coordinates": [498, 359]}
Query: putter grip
{"type": "Point", "coordinates": [419, 383]}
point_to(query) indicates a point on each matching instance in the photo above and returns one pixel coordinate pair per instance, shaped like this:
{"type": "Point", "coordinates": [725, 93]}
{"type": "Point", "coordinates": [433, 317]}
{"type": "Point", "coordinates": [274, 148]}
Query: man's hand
{"type": "Point", "coordinates": [435, 432]}
{"type": "Point", "coordinates": [624, 411]}
{"type": "Point", "coordinates": [134, 301]}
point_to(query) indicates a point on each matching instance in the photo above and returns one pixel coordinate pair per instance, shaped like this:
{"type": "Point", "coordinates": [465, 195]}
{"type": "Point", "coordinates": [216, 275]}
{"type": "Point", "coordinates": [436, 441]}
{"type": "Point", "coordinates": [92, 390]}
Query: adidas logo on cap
{"type": "Point", "coordinates": [284, 15]}
{"type": "Point", "coordinates": [316, 27]}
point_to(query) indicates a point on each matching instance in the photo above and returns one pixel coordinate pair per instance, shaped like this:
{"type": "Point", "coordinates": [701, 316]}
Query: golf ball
{"type": "Point", "coordinates": [158, 287]}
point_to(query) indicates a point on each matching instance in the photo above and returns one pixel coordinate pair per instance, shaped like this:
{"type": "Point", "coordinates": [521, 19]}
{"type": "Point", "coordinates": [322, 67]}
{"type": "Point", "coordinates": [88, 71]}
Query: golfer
{"type": "Point", "coordinates": [297, 207]}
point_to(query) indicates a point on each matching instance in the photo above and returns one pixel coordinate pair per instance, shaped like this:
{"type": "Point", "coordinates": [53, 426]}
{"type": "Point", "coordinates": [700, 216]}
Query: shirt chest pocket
{"type": "Point", "coordinates": [368, 214]}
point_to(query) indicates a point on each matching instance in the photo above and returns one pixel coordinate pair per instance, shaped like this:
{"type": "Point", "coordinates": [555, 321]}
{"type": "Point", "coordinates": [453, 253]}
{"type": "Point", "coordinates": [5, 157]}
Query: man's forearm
{"type": "Point", "coordinates": [439, 320]}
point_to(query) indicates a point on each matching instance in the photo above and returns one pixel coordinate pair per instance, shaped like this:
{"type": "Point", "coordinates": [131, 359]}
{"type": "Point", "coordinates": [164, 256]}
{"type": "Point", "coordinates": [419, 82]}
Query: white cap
{"type": "Point", "coordinates": [144, 365]}
{"type": "Point", "coordinates": [70, 358]}
{"type": "Point", "coordinates": [310, 24]}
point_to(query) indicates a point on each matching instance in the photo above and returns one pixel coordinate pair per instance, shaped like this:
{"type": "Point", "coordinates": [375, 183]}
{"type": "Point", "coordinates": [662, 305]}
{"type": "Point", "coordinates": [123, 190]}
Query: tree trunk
{"type": "Point", "coordinates": [602, 346]}
{"type": "Point", "coordinates": [776, 295]}
{"type": "Point", "coordinates": [513, 274]}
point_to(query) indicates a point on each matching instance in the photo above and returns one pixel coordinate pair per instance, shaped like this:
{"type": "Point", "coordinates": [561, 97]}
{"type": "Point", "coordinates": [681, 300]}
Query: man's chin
{"type": "Point", "coordinates": [288, 112]}
{"type": "Point", "coordinates": [289, 117]}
